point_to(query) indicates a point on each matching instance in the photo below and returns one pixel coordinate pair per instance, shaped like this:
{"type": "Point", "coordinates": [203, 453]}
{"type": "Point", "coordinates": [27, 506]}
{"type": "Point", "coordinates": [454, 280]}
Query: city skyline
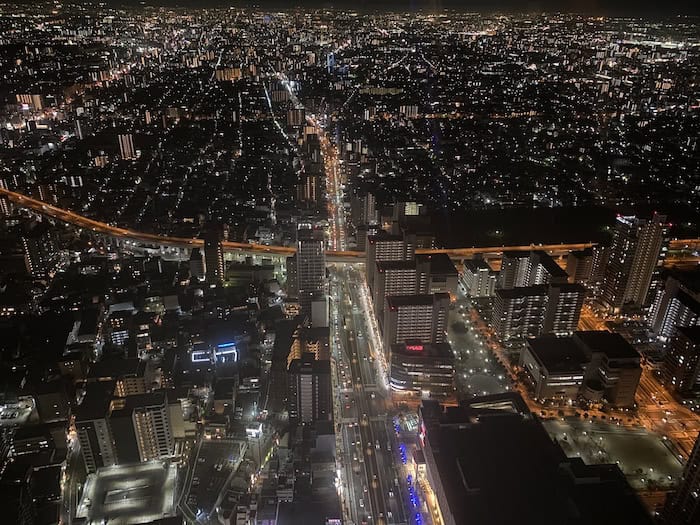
{"type": "Point", "coordinates": [390, 263]}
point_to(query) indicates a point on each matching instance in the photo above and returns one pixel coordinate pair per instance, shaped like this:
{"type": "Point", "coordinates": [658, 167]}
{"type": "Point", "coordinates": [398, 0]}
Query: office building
{"type": "Point", "coordinates": [681, 369]}
{"type": "Point", "coordinates": [422, 369]}
{"type": "Point", "coordinates": [126, 146]}
{"type": "Point", "coordinates": [310, 397]}
{"type": "Point", "coordinates": [214, 255]}
{"type": "Point", "coordinates": [613, 366]}
{"type": "Point", "coordinates": [676, 304]}
{"type": "Point", "coordinates": [477, 279]}
{"type": "Point", "coordinates": [683, 505]}
{"type": "Point", "coordinates": [141, 427]}
{"type": "Point", "coordinates": [310, 267]}
{"type": "Point", "coordinates": [555, 367]}
{"type": "Point", "coordinates": [634, 255]}
{"type": "Point", "coordinates": [419, 319]}
{"type": "Point", "coordinates": [598, 366]}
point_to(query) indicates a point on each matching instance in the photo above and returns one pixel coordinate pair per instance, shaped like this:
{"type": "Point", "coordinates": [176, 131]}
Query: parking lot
{"type": "Point", "coordinates": [16, 414]}
{"type": "Point", "coordinates": [215, 461]}
{"type": "Point", "coordinates": [644, 457]}
{"type": "Point", "coordinates": [126, 494]}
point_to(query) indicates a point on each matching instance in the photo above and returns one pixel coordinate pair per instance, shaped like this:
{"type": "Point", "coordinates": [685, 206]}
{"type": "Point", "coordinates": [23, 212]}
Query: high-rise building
{"type": "Point", "coordinates": [682, 360]}
{"type": "Point", "coordinates": [683, 505]}
{"type": "Point", "coordinates": [363, 232]}
{"type": "Point", "coordinates": [515, 270]}
{"type": "Point", "coordinates": [368, 211]}
{"type": "Point", "coordinates": [419, 319]}
{"type": "Point", "coordinates": [477, 279]}
{"type": "Point", "coordinates": [393, 278]}
{"type": "Point", "coordinates": [533, 310]}
{"type": "Point", "coordinates": [384, 246]}
{"type": "Point", "coordinates": [676, 304]}
{"type": "Point", "coordinates": [579, 265]}
{"type": "Point", "coordinates": [292, 277]}
{"type": "Point", "coordinates": [310, 397]}
{"type": "Point", "coordinates": [5, 205]}
{"type": "Point", "coordinates": [96, 442]}
{"type": "Point", "coordinates": [436, 273]}
{"type": "Point", "coordinates": [214, 256]}
{"type": "Point", "coordinates": [544, 269]}
{"type": "Point", "coordinates": [40, 254]}
{"type": "Point", "coordinates": [520, 269]}
{"type": "Point", "coordinates": [310, 267]}
{"type": "Point", "coordinates": [93, 427]}
{"type": "Point", "coordinates": [634, 256]}
{"type": "Point", "coordinates": [564, 303]}
{"type": "Point", "coordinates": [126, 146]}
{"type": "Point", "coordinates": [141, 427]}
{"type": "Point", "coordinates": [519, 312]}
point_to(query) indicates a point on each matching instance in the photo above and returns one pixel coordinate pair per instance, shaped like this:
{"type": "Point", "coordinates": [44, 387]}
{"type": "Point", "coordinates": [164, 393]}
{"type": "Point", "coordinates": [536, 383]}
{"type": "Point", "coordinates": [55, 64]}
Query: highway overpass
{"type": "Point", "coordinates": [151, 239]}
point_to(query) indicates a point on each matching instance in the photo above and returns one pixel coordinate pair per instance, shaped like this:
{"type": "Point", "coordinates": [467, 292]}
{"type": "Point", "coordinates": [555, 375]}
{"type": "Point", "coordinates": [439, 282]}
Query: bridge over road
{"type": "Point", "coordinates": [110, 230]}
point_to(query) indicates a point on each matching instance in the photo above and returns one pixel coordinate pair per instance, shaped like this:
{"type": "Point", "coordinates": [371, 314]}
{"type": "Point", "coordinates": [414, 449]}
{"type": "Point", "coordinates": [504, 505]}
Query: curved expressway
{"type": "Point", "coordinates": [260, 249]}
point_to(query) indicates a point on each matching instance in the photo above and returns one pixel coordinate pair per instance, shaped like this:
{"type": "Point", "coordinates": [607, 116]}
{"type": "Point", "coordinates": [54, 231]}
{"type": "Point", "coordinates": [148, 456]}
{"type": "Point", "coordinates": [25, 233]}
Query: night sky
{"type": "Point", "coordinates": [613, 7]}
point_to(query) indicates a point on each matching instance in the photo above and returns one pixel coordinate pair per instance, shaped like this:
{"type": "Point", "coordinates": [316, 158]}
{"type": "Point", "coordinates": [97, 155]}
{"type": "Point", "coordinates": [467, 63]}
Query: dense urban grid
{"type": "Point", "coordinates": [322, 266]}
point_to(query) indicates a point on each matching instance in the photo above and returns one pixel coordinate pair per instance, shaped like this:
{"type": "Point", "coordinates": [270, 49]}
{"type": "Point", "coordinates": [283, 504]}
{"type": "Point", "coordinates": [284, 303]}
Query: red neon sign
{"type": "Point", "coordinates": [414, 348]}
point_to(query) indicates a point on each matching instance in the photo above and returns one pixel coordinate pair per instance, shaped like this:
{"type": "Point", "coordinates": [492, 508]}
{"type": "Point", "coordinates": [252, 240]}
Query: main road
{"type": "Point", "coordinates": [372, 491]}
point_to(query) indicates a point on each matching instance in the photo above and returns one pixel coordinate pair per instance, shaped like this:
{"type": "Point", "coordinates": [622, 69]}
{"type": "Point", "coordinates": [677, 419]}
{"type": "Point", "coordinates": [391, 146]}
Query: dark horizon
{"type": "Point", "coordinates": [592, 7]}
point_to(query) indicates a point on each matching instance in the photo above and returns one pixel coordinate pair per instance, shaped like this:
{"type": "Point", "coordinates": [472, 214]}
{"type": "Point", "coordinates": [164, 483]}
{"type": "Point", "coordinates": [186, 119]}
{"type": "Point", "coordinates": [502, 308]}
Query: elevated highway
{"type": "Point", "coordinates": [333, 256]}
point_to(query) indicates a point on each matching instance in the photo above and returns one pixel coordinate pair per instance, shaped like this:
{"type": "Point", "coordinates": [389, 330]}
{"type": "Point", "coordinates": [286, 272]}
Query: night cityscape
{"type": "Point", "coordinates": [306, 263]}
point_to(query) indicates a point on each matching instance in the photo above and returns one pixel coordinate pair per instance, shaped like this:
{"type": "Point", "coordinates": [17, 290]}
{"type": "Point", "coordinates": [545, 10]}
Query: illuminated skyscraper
{"type": "Point", "coordinates": [310, 396]}
{"type": "Point", "coordinates": [634, 255]}
{"type": "Point", "coordinates": [310, 267]}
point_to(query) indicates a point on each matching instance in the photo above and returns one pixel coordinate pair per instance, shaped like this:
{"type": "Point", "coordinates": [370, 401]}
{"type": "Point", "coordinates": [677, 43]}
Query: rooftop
{"type": "Point", "coordinates": [557, 354]}
{"type": "Point", "coordinates": [613, 345]}
{"type": "Point", "coordinates": [486, 455]}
